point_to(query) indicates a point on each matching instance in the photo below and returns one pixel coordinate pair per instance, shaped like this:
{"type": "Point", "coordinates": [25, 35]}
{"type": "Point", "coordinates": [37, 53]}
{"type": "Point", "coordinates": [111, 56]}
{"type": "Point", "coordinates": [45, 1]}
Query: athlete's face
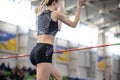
{"type": "Point", "coordinates": [56, 4]}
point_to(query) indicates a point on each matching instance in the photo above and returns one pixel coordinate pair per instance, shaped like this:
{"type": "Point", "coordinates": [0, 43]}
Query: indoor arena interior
{"type": "Point", "coordinates": [90, 51]}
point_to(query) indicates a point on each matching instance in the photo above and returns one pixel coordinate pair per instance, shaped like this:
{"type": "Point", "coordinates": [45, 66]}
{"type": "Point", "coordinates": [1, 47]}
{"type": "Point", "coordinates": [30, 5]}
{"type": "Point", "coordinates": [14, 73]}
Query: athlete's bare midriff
{"type": "Point", "coordinates": [45, 38]}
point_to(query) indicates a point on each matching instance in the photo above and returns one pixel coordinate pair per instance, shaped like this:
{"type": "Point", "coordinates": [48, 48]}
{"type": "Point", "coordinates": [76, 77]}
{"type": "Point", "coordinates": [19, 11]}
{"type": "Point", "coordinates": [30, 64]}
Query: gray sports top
{"type": "Point", "coordinates": [45, 24]}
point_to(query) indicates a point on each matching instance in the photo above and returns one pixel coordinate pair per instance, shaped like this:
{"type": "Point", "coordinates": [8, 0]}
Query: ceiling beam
{"type": "Point", "coordinates": [105, 12]}
{"type": "Point", "coordinates": [111, 25]}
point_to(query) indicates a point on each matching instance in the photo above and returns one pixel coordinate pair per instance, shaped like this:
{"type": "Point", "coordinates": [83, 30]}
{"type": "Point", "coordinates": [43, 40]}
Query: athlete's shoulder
{"type": "Point", "coordinates": [55, 12]}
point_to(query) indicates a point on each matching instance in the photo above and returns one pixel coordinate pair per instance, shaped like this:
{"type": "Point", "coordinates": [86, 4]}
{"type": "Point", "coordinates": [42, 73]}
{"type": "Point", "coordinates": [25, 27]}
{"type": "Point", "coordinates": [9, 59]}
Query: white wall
{"type": "Point", "coordinates": [61, 66]}
{"type": "Point", "coordinates": [79, 61]}
{"type": "Point", "coordinates": [115, 67]}
{"type": "Point", "coordinates": [26, 43]}
{"type": "Point", "coordinates": [11, 29]}
{"type": "Point", "coordinates": [8, 27]}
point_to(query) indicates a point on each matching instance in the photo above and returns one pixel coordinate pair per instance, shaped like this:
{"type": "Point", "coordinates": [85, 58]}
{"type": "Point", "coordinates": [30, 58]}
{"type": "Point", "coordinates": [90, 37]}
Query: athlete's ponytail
{"type": "Point", "coordinates": [43, 5]}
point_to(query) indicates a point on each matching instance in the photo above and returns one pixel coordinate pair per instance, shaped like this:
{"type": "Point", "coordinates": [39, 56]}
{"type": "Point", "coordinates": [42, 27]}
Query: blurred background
{"type": "Point", "coordinates": [99, 24]}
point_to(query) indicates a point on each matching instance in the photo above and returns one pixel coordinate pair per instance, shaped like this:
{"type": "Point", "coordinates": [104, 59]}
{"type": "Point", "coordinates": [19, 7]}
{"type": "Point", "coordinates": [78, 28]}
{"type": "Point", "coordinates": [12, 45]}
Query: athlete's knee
{"type": "Point", "coordinates": [59, 77]}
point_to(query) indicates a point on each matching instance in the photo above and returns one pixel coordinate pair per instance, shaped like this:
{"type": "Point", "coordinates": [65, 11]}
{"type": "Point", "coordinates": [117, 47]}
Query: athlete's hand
{"type": "Point", "coordinates": [82, 2]}
{"type": "Point", "coordinates": [60, 8]}
{"type": "Point", "coordinates": [60, 5]}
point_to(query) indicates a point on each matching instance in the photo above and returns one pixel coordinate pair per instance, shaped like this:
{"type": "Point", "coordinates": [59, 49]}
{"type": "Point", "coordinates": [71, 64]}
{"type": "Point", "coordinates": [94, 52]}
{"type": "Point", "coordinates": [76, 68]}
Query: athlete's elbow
{"type": "Point", "coordinates": [73, 26]}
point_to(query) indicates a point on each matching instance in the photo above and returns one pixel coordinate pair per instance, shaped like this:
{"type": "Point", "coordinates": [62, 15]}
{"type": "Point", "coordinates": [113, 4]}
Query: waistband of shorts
{"type": "Point", "coordinates": [45, 44]}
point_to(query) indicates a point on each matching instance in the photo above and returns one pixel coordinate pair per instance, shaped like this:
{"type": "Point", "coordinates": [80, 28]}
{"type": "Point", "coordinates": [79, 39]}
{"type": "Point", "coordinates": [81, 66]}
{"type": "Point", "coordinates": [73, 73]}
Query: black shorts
{"type": "Point", "coordinates": [42, 52]}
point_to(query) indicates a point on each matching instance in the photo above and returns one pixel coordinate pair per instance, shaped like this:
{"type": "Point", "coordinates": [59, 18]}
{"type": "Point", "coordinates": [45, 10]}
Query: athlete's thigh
{"type": "Point", "coordinates": [55, 73]}
{"type": "Point", "coordinates": [43, 71]}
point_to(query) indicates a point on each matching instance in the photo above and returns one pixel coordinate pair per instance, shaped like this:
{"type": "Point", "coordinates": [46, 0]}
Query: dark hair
{"type": "Point", "coordinates": [43, 4]}
{"type": "Point", "coordinates": [50, 2]}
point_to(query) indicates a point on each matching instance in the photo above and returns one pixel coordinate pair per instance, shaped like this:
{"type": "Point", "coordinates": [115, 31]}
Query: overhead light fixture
{"type": "Point", "coordinates": [108, 24]}
{"type": "Point", "coordinates": [102, 20]}
{"type": "Point", "coordinates": [119, 5]}
{"type": "Point", "coordinates": [18, 1]}
{"type": "Point", "coordinates": [101, 11]}
{"type": "Point", "coordinates": [109, 34]}
{"type": "Point", "coordinates": [84, 6]}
